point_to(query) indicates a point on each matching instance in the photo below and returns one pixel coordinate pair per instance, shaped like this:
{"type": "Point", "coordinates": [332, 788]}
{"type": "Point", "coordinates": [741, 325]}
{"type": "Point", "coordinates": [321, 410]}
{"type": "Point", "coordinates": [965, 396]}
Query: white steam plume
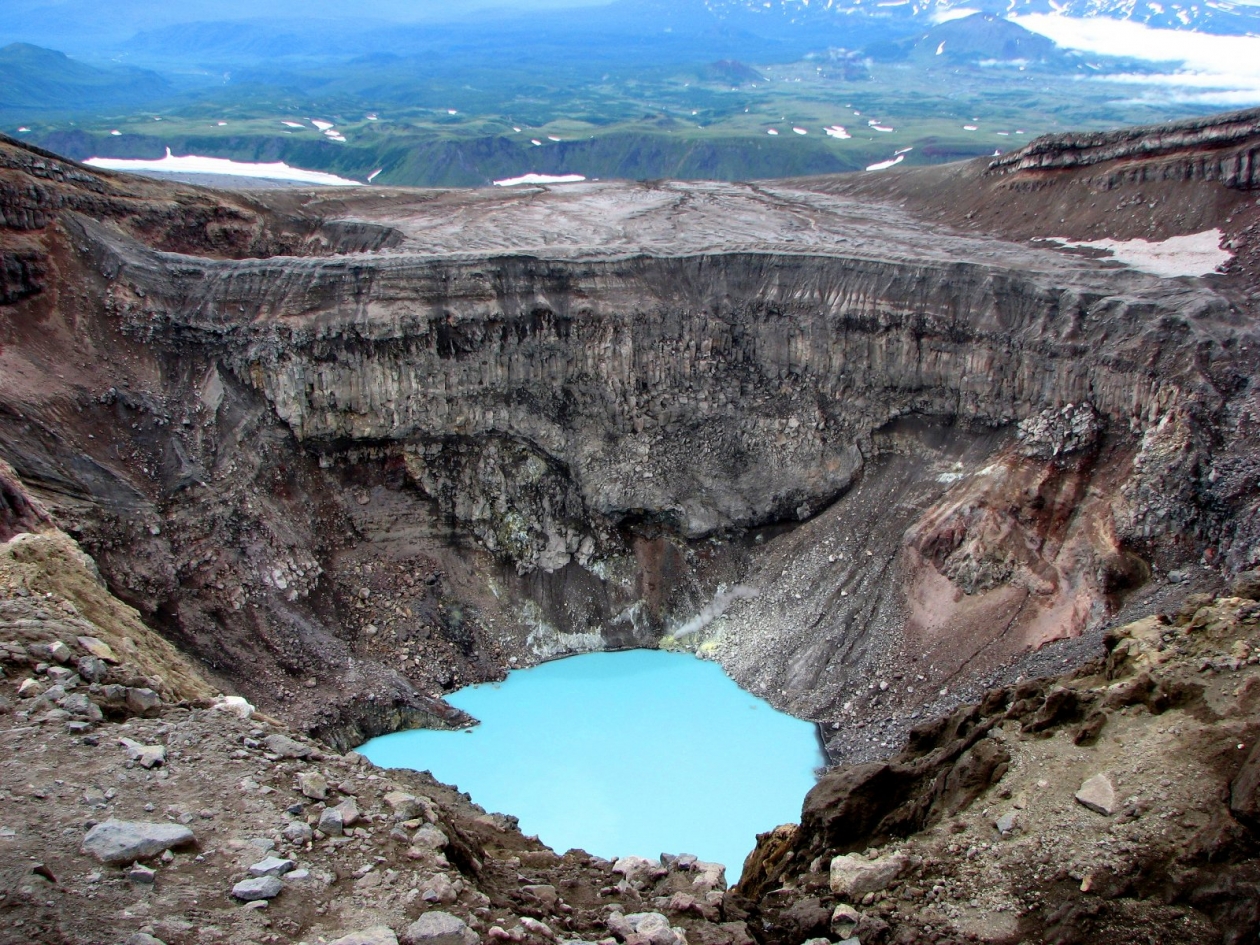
{"type": "Point", "coordinates": [716, 608]}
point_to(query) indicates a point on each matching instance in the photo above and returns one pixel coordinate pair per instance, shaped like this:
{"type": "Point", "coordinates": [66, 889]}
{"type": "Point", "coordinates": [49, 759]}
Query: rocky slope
{"type": "Point", "coordinates": [450, 432]}
{"type": "Point", "coordinates": [1115, 803]}
{"type": "Point", "coordinates": [141, 806]}
{"type": "Point", "coordinates": [138, 805]}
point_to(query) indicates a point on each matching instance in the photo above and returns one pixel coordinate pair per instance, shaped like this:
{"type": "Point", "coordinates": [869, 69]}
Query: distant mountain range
{"type": "Point", "coordinates": [657, 31]}
{"type": "Point", "coordinates": [1212, 16]}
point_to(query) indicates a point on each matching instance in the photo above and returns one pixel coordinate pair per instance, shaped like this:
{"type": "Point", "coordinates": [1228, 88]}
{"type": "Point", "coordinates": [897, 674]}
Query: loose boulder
{"type": "Point", "coordinates": [258, 887]}
{"type": "Point", "coordinates": [286, 747]}
{"type": "Point", "coordinates": [853, 876]}
{"type": "Point", "coordinates": [377, 935]}
{"type": "Point", "coordinates": [122, 841]}
{"type": "Point", "coordinates": [148, 756]}
{"type": "Point", "coordinates": [638, 870]}
{"type": "Point", "coordinates": [312, 784]}
{"type": "Point", "coordinates": [439, 928]}
{"type": "Point", "coordinates": [143, 702]}
{"type": "Point", "coordinates": [1098, 794]}
{"type": "Point", "coordinates": [272, 866]}
{"type": "Point", "coordinates": [429, 837]}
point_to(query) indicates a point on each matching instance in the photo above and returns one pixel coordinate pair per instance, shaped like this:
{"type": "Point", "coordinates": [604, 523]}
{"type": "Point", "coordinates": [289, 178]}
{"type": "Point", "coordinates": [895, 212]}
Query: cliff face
{"type": "Point", "coordinates": [1219, 148]}
{"type": "Point", "coordinates": [547, 421]}
{"type": "Point", "coordinates": [1048, 811]}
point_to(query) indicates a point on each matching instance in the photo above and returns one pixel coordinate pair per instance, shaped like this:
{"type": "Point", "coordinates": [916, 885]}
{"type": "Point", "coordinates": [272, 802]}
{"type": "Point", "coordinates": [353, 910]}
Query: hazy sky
{"type": "Point", "coordinates": [80, 25]}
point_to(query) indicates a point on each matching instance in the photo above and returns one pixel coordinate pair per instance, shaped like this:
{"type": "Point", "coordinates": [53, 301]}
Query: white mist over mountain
{"type": "Point", "coordinates": [1206, 68]}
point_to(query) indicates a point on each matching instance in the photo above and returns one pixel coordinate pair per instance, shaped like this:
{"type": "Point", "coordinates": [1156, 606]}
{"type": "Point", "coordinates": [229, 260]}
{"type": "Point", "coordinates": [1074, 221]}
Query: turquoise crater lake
{"type": "Point", "coordinates": [641, 752]}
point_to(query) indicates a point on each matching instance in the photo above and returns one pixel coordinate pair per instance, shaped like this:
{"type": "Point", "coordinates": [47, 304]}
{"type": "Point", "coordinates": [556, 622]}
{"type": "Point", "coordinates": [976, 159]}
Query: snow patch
{"type": "Point", "coordinates": [944, 16]}
{"type": "Point", "coordinates": [540, 179]}
{"type": "Point", "coordinates": [1198, 254]}
{"type": "Point", "coordinates": [321, 125]}
{"type": "Point", "coordinates": [884, 165]}
{"type": "Point", "coordinates": [195, 164]}
{"type": "Point", "coordinates": [800, 131]}
{"type": "Point", "coordinates": [293, 124]}
{"type": "Point", "coordinates": [837, 131]}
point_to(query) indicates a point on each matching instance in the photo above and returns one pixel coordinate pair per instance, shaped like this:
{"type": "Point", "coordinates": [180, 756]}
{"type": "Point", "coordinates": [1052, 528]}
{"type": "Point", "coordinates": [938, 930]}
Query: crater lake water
{"type": "Point", "coordinates": [639, 752]}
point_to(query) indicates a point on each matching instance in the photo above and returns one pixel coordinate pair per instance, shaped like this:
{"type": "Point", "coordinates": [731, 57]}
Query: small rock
{"type": "Point", "coordinates": [98, 648]}
{"type": "Point", "coordinates": [535, 927]}
{"type": "Point", "coordinates": [650, 927]}
{"type": "Point", "coordinates": [349, 811]}
{"type": "Point", "coordinates": [148, 756]}
{"type": "Point", "coordinates": [297, 832]}
{"type": "Point", "coordinates": [404, 806]}
{"type": "Point", "coordinates": [438, 888]}
{"type": "Point", "coordinates": [1007, 822]}
{"type": "Point", "coordinates": [1247, 584]}
{"type": "Point", "coordinates": [272, 866]}
{"type": "Point", "coordinates": [142, 874]}
{"type": "Point", "coordinates": [121, 841]}
{"type": "Point", "coordinates": [844, 920]}
{"type": "Point", "coordinates": [143, 702]}
{"type": "Point", "coordinates": [312, 784]}
{"type": "Point", "coordinates": [439, 928]}
{"type": "Point", "coordinates": [66, 678]}
{"type": "Point", "coordinates": [377, 935]}
{"type": "Point", "coordinates": [257, 888]}
{"type": "Point", "coordinates": [1098, 794]}
{"type": "Point", "coordinates": [429, 837]}
{"type": "Point", "coordinates": [638, 870]}
{"type": "Point", "coordinates": [92, 669]}
{"type": "Point", "coordinates": [29, 689]}
{"type": "Point", "coordinates": [286, 747]}
{"type": "Point", "coordinates": [330, 822]}
{"type": "Point", "coordinates": [60, 652]}
{"type": "Point", "coordinates": [143, 938]}
{"type": "Point", "coordinates": [545, 895]}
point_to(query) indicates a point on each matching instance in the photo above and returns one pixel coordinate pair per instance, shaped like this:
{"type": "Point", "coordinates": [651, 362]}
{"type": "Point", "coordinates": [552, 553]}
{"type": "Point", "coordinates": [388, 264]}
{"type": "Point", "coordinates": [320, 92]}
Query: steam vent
{"type": "Point", "coordinates": [959, 463]}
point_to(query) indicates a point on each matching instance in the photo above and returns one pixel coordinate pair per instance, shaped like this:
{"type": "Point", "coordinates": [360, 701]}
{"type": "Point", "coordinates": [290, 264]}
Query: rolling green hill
{"type": "Point", "coordinates": [36, 79]}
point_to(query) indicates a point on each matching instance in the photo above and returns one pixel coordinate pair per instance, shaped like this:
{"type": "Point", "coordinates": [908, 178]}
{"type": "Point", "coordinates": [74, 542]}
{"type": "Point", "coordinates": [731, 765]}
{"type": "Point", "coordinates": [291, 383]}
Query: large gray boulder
{"type": "Point", "coordinates": [439, 928]}
{"type": "Point", "coordinates": [122, 841]}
